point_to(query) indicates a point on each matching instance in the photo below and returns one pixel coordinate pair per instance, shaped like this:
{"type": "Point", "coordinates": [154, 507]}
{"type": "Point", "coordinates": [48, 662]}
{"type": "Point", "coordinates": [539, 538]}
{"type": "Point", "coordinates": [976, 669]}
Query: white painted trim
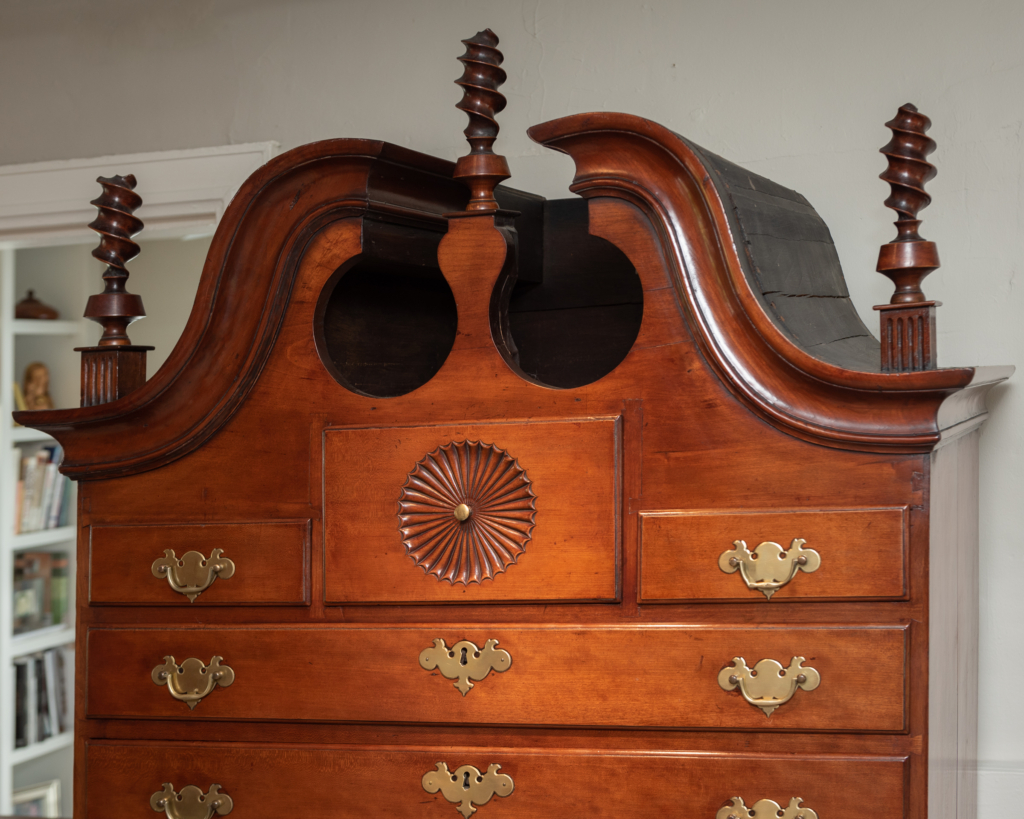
{"type": "Point", "coordinates": [46, 203]}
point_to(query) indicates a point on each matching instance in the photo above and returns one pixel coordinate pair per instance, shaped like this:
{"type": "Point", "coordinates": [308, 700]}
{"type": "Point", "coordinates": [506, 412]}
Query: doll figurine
{"type": "Point", "coordinates": [37, 387]}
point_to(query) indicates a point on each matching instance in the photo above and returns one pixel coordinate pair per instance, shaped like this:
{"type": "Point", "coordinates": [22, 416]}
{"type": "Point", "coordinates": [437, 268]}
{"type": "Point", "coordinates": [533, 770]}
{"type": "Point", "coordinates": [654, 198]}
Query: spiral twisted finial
{"type": "Point", "coordinates": [115, 308]}
{"type": "Point", "coordinates": [481, 169]}
{"type": "Point", "coordinates": [908, 258]}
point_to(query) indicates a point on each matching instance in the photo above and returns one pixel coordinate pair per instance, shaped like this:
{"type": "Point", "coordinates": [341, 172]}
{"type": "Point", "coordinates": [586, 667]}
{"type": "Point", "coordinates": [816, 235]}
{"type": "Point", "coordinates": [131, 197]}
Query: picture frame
{"type": "Point", "coordinates": [42, 799]}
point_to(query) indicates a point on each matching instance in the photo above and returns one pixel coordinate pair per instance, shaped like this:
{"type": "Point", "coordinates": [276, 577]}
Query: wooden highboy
{"type": "Point", "coordinates": [454, 499]}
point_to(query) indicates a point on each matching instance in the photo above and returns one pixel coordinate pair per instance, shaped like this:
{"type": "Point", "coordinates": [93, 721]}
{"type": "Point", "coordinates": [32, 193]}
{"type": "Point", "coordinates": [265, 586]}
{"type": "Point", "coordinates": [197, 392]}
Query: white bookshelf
{"type": "Point", "coordinates": [44, 208]}
{"type": "Point", "coordinates": [53, 343]}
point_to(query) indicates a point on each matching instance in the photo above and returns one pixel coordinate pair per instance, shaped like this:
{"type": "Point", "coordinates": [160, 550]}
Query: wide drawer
{"type": "Point", "coordinates": [668, 676]}
{"type": "Point", "coordinates": [473, 513]}
{"type": "Point", "coordinates": [263, 563]}
{"type": "Point", "coordinates": [264, 781]}
{"type": "Point", "coordinates": [853, 554]}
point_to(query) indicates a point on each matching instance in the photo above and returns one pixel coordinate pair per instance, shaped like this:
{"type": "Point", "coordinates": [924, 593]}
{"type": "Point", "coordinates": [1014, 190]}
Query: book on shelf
{"type": "Point", "coordinates": [43, 494]}
{"type": "Point", "coordinates": [40, 697]}
{"type": "Point", "coordinates": [41, 588]}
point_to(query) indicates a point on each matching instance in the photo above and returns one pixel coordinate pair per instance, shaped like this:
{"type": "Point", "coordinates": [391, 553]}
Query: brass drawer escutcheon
{"type": "Point", "coordinates": [191, 681]}
{"type": "Point", "coordinates": [765, 809]}
{"type": "Point", "coordinates": [768, 685]}
{"type": "Point", "coordinates": [769, 567]}
{"type": "Point", "coordinates": [192, 574]}
{"type": "Point", "coordinates": [191, 803]}
{"type": "Point", "coordinates": [467, 785]}
{"type": "Point", "coordinates": [464, 661]}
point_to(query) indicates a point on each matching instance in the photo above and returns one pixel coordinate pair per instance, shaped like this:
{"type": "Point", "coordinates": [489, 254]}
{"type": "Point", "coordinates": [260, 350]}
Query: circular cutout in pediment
{"type": "Point", "coordinates": [466, 512]}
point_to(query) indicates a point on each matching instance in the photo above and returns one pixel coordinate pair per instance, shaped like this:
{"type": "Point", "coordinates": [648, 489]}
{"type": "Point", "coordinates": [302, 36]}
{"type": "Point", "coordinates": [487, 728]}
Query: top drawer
{"type": "Point", "coordinates": [472, 513]}
{"type": "Point", "coordinates": [207, 564]}
{"type": "Point", "coordinates": [829, 554]}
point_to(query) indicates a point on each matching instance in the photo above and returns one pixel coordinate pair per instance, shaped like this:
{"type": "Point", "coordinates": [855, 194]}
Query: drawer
{"type": "Point", "coordinates": [264, 781]}
{"type": "Point", "coordinates": [263, 563]}
{"type": "Point", "coordinates": [855, 554]}
{"type": "Point", "coordinates": [539, 503]}
{"type": "Point", "coordinates": [651, 676]}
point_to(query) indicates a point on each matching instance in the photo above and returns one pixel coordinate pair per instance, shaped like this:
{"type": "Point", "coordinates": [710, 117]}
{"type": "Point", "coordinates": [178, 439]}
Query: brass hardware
{"type": "Point", "coordinates": [191, 803]}
{"type": "Point", "coordinates": [464, 661]}
{"type": "Point", "coordinates": [192, 574]}
{"type": "Point", "coordinates": [769, 567]}
{"type": "Point", "coordinates": [765, 809]}
{"type": "Point", "coordinates": [191, 681]}
{"type": "Point", "coordinates": [467, 785]}
{"type": "Point", "coordinates": [768, 685]}
{"type": "Point", "coordinates": [462, 512]}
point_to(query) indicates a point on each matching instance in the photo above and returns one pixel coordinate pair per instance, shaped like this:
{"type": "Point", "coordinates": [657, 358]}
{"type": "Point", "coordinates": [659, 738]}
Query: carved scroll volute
{"type": "Point", "coordinates": [908, 321]}
{"type": "Point", "coordinates": [467, 786]}
{"type": "Point", "coordinates": [115, 366]}
{"type": "Point", "coordinates": [765, 809]}
{"type": "Point", "coordinates": [191, 802]}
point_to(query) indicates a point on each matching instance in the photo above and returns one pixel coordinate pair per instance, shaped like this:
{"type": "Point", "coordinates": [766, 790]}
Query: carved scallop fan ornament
{"type": "Point", "coordinates": [467, 512]}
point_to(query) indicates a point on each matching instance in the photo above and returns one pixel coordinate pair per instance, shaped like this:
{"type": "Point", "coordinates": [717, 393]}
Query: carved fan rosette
{"type": "Point", "coordinates": [467, 512]}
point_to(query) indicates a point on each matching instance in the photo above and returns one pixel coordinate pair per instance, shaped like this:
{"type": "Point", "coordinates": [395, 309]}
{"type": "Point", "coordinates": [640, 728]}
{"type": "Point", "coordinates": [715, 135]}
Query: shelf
{"type": "Point", "coordinates": [41, 639]}
{"type": "Point", "coordinates": [44, 537]}
{"type": "Point", "coordinates": [27, 434]}
{"type": "Point", "coordinates": [42, 327]}
{"type": "Point", "coordinates": [38, 749]}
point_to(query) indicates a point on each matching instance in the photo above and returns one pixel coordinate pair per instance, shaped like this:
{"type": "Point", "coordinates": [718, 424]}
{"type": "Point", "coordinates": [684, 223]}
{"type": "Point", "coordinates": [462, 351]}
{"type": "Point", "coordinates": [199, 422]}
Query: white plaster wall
{"type": "Point", "coordinates": [797, 90]}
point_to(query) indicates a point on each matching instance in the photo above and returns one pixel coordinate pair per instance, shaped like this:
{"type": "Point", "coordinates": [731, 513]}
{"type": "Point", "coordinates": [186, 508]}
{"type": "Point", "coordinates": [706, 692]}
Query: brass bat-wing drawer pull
{"type": "Point", "coordinates": [464, 661]}
{"type": "Point", "coordinates": [768, 685]}
{"type": "Point", "coordinates": [191, 681]}
{"type": "Point", "coordinates": [467, 785]}
{"type": "Point", "coordinates": [191, 803]}
{"type": "Point", "coordinates": [769, 567]}
{"type": "Point", "coordinates": [192, 574]}
{"type": "Point", "coordinates": [765, 809]}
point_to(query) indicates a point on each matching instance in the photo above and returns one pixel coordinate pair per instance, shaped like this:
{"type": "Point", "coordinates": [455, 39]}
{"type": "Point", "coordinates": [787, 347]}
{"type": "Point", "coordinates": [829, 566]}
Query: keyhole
{"type": "Point", "coordinates": [465, 774]}
{"type": "Point", "coordinates": [464, 661]}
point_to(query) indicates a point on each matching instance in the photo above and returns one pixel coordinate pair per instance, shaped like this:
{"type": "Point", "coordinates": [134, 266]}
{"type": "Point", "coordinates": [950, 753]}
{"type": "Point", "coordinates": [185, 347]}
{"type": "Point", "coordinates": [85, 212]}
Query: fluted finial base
{"type": "Point", "coordinates": [908, 337]}
{"type": "Point", "coordinates": [109, 373]}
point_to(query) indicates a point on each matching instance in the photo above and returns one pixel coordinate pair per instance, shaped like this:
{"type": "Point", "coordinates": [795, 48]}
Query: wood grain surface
{"type": "Point", "coordinates": [656, 676]}
{"type": "Point", "coordinates": [573, 467]}
{"type": "Point", "coordinates": [271, 562]}
{"type": "Point", "coordinates": [863, 553]}
{"type": "Point", "coordinates": [358, 782]}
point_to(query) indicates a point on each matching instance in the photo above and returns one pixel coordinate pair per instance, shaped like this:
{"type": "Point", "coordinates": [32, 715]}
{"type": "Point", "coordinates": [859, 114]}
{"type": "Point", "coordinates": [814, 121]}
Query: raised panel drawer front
{"type": "Point", "coordinates": [265, 563]}
{"type": "Point", "coordinates": [473, 513]}
{"type": "Point", "coordinates": [264, 782]}
{"type": "Point", "coordinates": [649, 676]}
{"type": "Point", "coordinates": [843, 554]}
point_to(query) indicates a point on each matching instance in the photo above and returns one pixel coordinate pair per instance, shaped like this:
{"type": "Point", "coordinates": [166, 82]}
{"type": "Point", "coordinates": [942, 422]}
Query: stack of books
{"type": "Point", "coordinates": [40, 590]}
{"type": "Point", "coordinates": [40, 697]}
{"type": "Point", "coordinates": [43, 493]}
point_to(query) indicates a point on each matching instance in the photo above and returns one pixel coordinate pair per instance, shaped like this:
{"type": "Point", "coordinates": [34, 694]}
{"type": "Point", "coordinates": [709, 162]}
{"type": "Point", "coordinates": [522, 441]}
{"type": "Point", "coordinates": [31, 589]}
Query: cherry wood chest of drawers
{"type": "Point", "coordinates": [598, 507]}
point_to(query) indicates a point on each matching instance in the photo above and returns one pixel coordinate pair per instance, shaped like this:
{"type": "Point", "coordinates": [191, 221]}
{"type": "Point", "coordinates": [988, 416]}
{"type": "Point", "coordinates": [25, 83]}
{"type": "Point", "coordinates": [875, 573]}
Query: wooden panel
{"type": "Point", "coordinates": [271, 562]}
{"type": "Point", "coordinates": [625, 676]}
{"type": "Point", "coordinates": [863, 553]}
{"type": "Point", "coordinates": [573, 467]}
{"type": "Point", "coordinates": [264, 781]}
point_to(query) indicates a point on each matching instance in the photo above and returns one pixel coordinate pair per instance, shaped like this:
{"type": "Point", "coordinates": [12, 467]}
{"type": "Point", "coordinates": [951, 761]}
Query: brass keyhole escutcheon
{"type": "Point", "coordinates": [462, 512]}
{"type": "Point", "coordinates": [467, 786]}
{"type": "Point", "coordinates": [464, 661]}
